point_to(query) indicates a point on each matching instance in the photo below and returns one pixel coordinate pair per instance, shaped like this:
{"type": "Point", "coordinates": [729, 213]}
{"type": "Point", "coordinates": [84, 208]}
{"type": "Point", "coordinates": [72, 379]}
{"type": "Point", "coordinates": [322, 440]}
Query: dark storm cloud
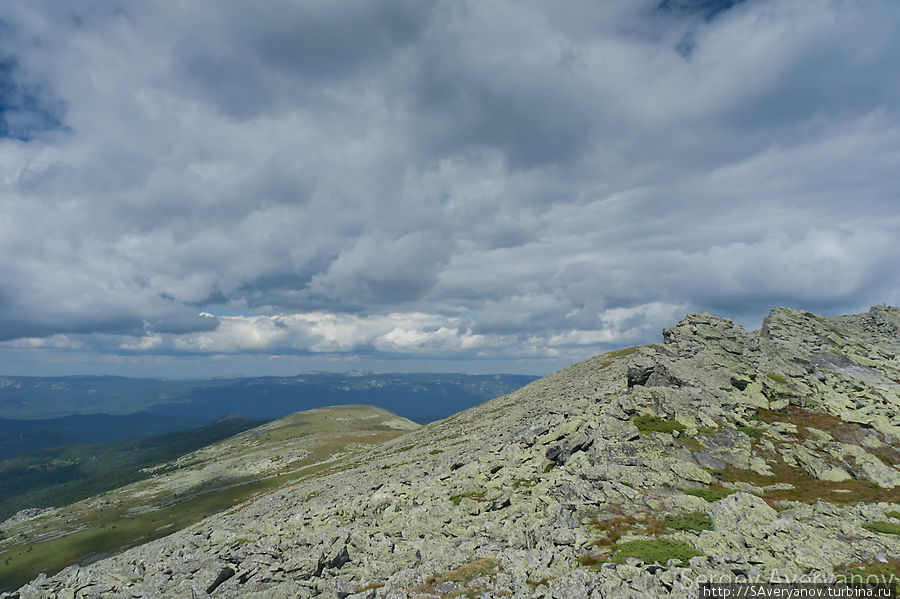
{"type": "Point", "coordinates": [465, 179]}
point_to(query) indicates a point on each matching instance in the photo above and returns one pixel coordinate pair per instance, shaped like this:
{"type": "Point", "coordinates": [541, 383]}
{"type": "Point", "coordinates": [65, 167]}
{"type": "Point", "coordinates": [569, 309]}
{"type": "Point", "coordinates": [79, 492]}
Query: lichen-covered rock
{"type": "Point", "coordinates": [719, 453]}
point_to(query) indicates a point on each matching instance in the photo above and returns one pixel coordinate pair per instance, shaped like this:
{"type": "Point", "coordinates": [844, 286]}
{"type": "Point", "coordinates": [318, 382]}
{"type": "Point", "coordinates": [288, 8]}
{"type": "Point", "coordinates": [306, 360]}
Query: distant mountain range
{"type": "Point", "coordinates": [41, 412]}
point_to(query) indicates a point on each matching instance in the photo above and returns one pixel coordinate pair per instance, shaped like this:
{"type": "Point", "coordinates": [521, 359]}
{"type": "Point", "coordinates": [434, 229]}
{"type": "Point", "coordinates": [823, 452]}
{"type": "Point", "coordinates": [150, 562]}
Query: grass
{"type": "Point", "coordinates": [696, 521]}
{"type": "Point", "coordinates": [654, 550]}
{"type": "Point", "coordinates": [648, 550]}
{"type": "Point", "coordinates": [64, 475]}
{"type": "Point", "coordinates": [807, 489]}
{"type": "Point", "coordinates": [713, 493]}
{"type": "Point", "coordinates": [647, 424]}
{"type": "Point", "coordinates": [893, 514]}
{"type": "Point", "coordinates": [844, 432]}
{"type": "Point", "coordinates": [473, 495]}
{"type": "Point", "coordinates": [109, 532]}
{"type": "Point", "coordinates": [777, 378]}
{"type": "Point", "coordinates": [618, 353]}
{"type": "Point", "coordinates": [435, 451]}
{"type": "Point", "coordinates": [882, 527]}
{"type": "Point", "coordinates": [615, 527]}
{"type": "Point", "coordinates": [462, 575]}
{"type": "Point", "coordinates": [690, 443]}
{"type": "Point", "coordinates": [92, 532]}
{"type": "Point", "coordinates": [716, 472]}
{"type": "Point", "coordinates": [863, 573]}
{"type": "Point", "coordinates": [754, 432]}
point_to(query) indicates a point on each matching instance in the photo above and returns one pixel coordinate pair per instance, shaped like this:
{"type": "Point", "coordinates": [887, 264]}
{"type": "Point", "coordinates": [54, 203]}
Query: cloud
{"type": "Point", "coordinates": [475, 180]}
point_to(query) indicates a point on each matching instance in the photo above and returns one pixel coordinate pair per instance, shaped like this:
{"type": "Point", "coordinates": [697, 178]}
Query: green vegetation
{"type": "Point", "coordinates": [618, 353]}
{"type": "Point", "coordinates": [463, 575]}
{"type": "Point", "coordinates": [777, 378]}
{"type": "Point", "coordinates": [650, 551]}
{"type": "Point", "coordinates": [696, 521]}
{"type": "Point", "coordinates": [615, 527]}
{"type": "Point", "coordinates": [110, 531]}
{"type": "Point", "coordinates": [64, 475]}
{"type": "Point", "coordinates": [754, 432]}
{"type": "Point", "coordinates": [690, 443]}
{"type": "Point", "coordinates": [845, 432]}
{"type": "Point", "coordinates": [146, 510]}
{"type": "Point", "coordinates": [473, 495]}
{"type": "Point", "coordinates": [860, 573]}
{"type": "Point", "coordinates": [893, 514]}
{"type": "Point", "coordinates": [654, 550]}
{"type": "Point", "coordinates": [713, 493]}
{"type": "Point", "coordinates": [808, 489]}
{"type": "Point", "coordinates": [882, 527]}
{"type": "Point", "coordinates": [647, 424]}
{"type": "Point", "coordinates": [716, 472]}
{"type": "Point", "coordinates": [436, 451]}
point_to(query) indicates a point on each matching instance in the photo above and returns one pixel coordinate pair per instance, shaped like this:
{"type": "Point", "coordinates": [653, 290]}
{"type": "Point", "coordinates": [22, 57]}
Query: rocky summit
{"type": "Point", "coordinates": [720, 454]}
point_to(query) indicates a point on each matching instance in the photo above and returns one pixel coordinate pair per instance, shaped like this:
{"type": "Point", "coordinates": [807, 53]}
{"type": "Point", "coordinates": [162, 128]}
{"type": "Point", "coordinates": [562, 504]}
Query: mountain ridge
{"type": "Point", "coordinates": [716, 455]}
{"type": "Point", "coordinates": [208, 399]}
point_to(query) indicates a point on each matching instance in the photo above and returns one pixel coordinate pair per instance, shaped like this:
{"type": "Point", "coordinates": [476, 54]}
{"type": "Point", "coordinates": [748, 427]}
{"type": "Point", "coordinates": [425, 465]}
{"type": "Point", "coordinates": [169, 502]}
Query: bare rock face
{"type": "Point", "coordinates": [720, 454]}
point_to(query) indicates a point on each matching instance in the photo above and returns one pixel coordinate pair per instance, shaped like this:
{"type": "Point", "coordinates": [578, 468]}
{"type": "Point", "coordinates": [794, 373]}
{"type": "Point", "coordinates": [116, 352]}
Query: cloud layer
{"type": "Point", "coordinates": [460, 180]}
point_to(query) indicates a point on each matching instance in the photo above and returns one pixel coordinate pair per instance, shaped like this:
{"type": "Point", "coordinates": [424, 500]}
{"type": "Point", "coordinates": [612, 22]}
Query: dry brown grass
{"type": "Point", "coordinates": [845, 432]}
{"type": "Point", "coordinates": [615, 527]}
{"type": "Point", "coordinates": [808, 489]}
{"type": "Point", "coordinates": [462, 575]}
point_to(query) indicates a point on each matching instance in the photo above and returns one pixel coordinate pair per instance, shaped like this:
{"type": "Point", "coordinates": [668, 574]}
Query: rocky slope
{"type": "Point", "coordinates": [187, 489]}
{"type": "Point", "coordinates": [719, 453]}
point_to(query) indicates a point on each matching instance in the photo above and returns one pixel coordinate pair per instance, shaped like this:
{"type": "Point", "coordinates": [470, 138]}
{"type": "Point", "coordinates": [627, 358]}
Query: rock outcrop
{"type": "Point", "coordinates": [720, 454]}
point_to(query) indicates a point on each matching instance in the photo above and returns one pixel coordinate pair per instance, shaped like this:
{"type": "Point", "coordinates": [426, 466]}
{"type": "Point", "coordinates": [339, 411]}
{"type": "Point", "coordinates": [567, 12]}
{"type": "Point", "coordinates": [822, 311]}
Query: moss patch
{"type": "Point", "coordinates": [885, 528]}
{"type": "Point", "coordinates": [754, 432]}
{"type": "Point", "coordinates": [696, 521]}
{"type": "Point", "coordinates": [647, 424]}
{"type": "Point", "coordinates": [473, 495]}
{"type": "Point", "coordinates": [653, 551]}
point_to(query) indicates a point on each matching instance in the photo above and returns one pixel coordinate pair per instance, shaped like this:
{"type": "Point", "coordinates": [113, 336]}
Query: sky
{"type": "Point", "coordinates": [192, 189]}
